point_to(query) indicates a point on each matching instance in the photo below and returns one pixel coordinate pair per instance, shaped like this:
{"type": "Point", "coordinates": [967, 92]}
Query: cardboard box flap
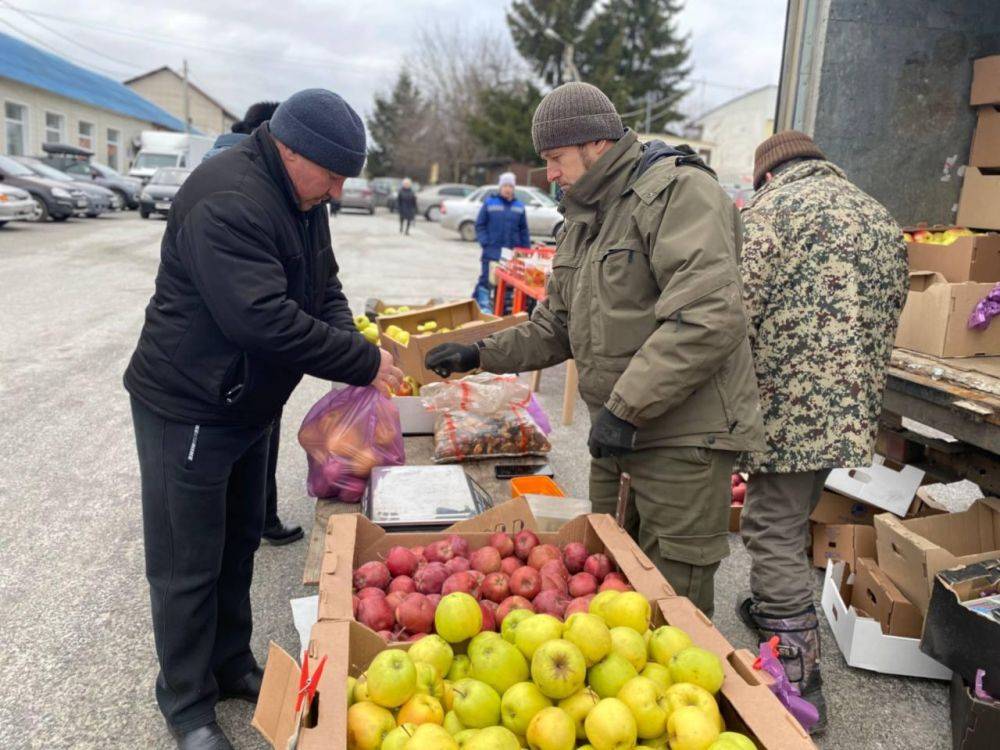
{"type": "Point", "coordinates": [274, 715]}
{"type": "Point", "coordinates": [880, 485]}
{"type": "Point", "coordinates": [511, 516]}
{"type": "Point", "coordinates": [985, 81]}
{"type": "Point", "coordinates": [921, 281]}
{"type": "Point", "coordinates": [631, 560]}
{"type": "Point", "coordinates": [878, 597]}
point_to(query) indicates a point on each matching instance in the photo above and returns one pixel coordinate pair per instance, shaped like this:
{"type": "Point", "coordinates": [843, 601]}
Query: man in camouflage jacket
{"type": "Point", "coordinates": [645, 297]}
{"type": "Point", "coordinates": [824, 281]}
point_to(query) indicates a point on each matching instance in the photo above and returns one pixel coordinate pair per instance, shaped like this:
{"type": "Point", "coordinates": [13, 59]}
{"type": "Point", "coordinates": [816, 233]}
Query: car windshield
{"type": "Point", "coordinates": [169, 177]}
{"type": "Point", "coordinates": [355, 183]}
{"type": "Point", "coordinates": [155, 161]}
{"type": "Point", "coordinates": [44, 170]}
{"type": "Point", "coordinates": [14, 168]}
{"type": "Point", "coordinates": [105, 171]}
{"type": "Point", "coordinates": [544, 198]}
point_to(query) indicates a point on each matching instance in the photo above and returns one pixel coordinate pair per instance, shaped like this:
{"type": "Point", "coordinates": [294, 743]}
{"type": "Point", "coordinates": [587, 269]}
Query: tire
{"type": "Point", "coordinates": [433, 213]}
{"type": "Point", "coordinates": [143, 213]}
{"type": "Point", "coordinates": [41, 210]}
{"type": "Point", "coordinates": [60, 218]}
{"type": "Point", "coordinates": [467, 231]}
{"type": "Point", "coordinates": [2, 224]}
{"type": "Point", "coordinates": [371, 211]}
{"type": "Point", "coordinates": [121, 200]}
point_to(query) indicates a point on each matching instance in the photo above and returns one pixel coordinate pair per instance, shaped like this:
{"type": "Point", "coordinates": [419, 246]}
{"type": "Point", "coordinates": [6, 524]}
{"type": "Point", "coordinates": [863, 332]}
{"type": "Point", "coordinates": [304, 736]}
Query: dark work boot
{"type": "Point", "coordinates": [798, 649]}
{"type": "Point", "coordinates": [208, 737]}
{"type": "Point", "coordinates": [279, 534]}
{"type": "Point", "coordinates": [246, 688]}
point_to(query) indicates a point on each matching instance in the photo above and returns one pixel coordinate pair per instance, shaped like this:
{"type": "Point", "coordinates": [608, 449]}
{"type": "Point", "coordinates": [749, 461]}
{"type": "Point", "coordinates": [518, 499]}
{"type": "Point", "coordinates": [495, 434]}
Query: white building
{"type": "Point", "coordinates": [165, 88]}
{"type": "Point", "coordinates": [735, 129]}
{"type": "Point", "coordinates": [47, 99]}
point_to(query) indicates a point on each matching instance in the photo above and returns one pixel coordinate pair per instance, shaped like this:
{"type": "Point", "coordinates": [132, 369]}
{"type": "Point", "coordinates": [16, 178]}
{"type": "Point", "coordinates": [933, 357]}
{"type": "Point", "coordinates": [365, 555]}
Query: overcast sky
{"type": "Point", "coordinates": [241, 52]}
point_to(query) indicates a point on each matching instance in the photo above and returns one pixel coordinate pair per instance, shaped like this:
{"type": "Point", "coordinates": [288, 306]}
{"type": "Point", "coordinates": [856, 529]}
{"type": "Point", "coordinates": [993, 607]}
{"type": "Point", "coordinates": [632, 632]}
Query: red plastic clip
{"type": "Point", "coordinates": [307, 684]}
{"type": "Point", "coordinates": [772, 644]}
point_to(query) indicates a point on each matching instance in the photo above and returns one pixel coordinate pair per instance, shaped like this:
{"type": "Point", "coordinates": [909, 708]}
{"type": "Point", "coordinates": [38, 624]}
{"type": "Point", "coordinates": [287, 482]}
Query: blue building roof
{"type": "Point", "coordinates": [31, 66]}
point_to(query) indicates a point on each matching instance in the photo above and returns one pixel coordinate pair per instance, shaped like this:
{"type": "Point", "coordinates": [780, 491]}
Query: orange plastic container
{"type": "Point", "coordinates": [534, 486]}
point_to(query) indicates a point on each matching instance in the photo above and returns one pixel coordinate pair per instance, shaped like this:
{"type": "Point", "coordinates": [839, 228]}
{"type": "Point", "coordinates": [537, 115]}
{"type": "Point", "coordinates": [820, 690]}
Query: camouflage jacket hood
{"type": "Point", "coordinates": [825, 277]}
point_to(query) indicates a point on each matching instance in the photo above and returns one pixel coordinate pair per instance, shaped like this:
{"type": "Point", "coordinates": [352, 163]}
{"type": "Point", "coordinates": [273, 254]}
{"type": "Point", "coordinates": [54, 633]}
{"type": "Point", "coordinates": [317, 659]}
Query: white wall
{"type": "Point", "coordinates": [38, 102]}
{"type": "Point", "coordinates": [736, 129]}
{"type": "Point", "coordinates": [166, 89]}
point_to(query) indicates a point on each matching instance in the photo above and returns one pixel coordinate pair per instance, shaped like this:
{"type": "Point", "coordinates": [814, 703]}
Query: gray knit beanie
{"type": "Point", "coordinates": [572, 114]}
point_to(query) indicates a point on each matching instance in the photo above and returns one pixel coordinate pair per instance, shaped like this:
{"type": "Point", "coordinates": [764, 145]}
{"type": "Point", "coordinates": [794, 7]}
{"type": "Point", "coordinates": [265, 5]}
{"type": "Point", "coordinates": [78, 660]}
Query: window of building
{"type": "Point", "coordinates": [113, 138]}
{"type": "Point", "coordinates": [55, 128]}
{"type": "Point", "coordinates": [85, 138]}
{"type": "Point", "coordinates": [16, 122]}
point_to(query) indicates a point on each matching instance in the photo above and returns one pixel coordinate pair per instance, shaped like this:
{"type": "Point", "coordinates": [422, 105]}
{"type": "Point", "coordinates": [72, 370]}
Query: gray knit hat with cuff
{"type": "Point", "coordinates": [572, 114]}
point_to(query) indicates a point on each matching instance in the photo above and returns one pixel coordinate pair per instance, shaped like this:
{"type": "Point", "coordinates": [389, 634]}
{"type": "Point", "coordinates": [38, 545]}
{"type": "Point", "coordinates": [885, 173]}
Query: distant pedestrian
{"type": "Point", "coordinates": [406, 203]}
{"type": "Point", "coordinates": [502, 223]}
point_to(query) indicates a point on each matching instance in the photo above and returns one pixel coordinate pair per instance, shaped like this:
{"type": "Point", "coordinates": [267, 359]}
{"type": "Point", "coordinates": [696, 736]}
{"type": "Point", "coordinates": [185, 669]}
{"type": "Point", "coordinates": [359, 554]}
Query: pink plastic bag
{"type": "Point", "coordinates": [346, 434]}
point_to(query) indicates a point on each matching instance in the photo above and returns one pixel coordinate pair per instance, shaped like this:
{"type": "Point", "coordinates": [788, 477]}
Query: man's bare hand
{"type": "Point", "coordinates": [389, 377]}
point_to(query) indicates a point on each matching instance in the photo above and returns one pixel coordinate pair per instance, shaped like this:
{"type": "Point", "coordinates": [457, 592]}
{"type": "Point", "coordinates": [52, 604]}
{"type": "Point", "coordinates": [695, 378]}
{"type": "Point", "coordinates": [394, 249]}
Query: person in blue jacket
{"type": "Point", "coordinates": [502, 222]}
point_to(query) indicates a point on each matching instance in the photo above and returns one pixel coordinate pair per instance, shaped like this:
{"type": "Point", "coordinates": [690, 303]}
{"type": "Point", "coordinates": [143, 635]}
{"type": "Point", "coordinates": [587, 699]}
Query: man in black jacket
{"type": "Point", "coordinates": [247, 300]}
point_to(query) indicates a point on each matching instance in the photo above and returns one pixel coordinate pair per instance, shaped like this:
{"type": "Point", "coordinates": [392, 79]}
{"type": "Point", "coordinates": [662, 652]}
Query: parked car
{"type": "Point", "coordinates": [52, 198]}
{"type": "Point", "coordinates": [101, 199]}
{"type": "Point", "coordinates": [429, 199]}
{"type": "Point", "coordinates": [741, 196]}
{"type": "Point", "coordinates": [460, 215]}
{"type": "Point", "coordinates": [358, 194]}
{"type": "Point", "coordinates": [76, 162]}
{"type": "Point", "coordinates": [15, 204]}
{"type": "Point", "coordinates": [158, 195]}
{"type": "Point", "coordinates": [385, 189]}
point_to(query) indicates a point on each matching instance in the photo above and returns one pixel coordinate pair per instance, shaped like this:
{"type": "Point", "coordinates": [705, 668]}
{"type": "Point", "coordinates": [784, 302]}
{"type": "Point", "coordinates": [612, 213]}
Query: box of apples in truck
{"type": "Point", "coordinates": [361, 557]}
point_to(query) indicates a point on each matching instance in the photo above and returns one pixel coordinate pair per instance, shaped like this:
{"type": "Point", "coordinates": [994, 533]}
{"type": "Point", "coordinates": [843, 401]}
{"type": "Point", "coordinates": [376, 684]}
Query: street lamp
{"type": "Point", "coordinates": [570, 72]}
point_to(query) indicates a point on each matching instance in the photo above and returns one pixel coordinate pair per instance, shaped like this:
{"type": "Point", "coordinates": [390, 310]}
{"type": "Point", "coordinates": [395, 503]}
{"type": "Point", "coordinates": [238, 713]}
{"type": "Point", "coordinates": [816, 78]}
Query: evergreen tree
{"type": "Point", "coordinates": [503, 123]}
{"type": "Point", "coordinates": [394, 124]}
{"type": "Point", "coordinates": [528, 21]}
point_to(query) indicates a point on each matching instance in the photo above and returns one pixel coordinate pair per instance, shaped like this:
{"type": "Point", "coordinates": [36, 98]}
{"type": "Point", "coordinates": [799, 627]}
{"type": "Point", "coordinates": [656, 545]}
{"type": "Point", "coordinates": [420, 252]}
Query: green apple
{"type": "Point", "coordinates": [667, 641]}
{"type": "Point", "coordinates": [434, 650]}
{"type": "Point", "coordinates": [578, 706]}
{"type": "Point", "coordinates": [609, 675]}
{"type": "Point", "coordinates": [699, 667]}
{"type": "Point", "coordinates": [477, 705]}
{"type": "Point", "coordinates": [493, 738]}
{"type": "Point", "coordinates": [480, 640]}
{"type": "Point", "coordinates": [367, 726]}
{"type": "Point", "coordinates": [690, 729]}
{"type": "Point", "coordinates": [629, 609]}
{"type": "Point", "coordinates": [463, 737]}
{"type": "Point", "coordinates": [461, 666]}
{"type": "Point", "coordinates": [511, 621]}
{"type": "Point", "coordinates": [551, 729]}
{"type": "Point", "coordinates": [611, 726]}
{"type": "Point", "coordinates": [685, 694]}
{"type": "Point", "coordinates": [428, 680]}
{"type": "Point", "coordinates": [447, 695]}
{"type": "Point", "coordinates": [360, 689]}
{"type": "Point", "coordinates": [521, 702]}
{"type": "Point", "coordinates": [658, 674]}
{"type": "Point", "coordinates": [590, 635]}
{"type": "Point", "coordinates": [733, 741]}
{"type": "Point", "coordinates": [648, 703]}
{"type": "Point", "coordinates": [453, 724]}
{"type": "Point", "coordinates": [598, 605]}
{"type": "Point", "coordinates": [659, 743]}
{"type": "Point", "coordinates": [534, 631]}
{"type": "Point", "coordinates": [392, 678]}
{"type": "Point", "coordinates": [499, 665]}
{"type": "Point", "coordinates": [430, 737]}
{"type": "Point", "coordinates": [628, 643]}
{"type": "Point", "coordinates": [457, 618]}
{"type": "Point", "coordinates": [398, 737]}
{"type": "Point", "coordinates": [421, 709]}
{"type": "Point", "coordinates": [351, 682]}
{"type": "Point", "coordinates": [558, 668]}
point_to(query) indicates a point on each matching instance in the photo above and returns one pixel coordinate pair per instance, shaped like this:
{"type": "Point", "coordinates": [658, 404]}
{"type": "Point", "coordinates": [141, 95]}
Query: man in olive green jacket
{"type": "Point", "coordinates": [645, 296]}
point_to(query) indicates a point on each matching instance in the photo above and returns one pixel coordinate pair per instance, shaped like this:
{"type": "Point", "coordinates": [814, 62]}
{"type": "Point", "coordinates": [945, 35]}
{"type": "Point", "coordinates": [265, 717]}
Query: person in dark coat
{"type": "Point", "coordinates": [247, 299]}
{"type": "Point", "coordinates": [406, 202]}
{"type": "Point", "coordinates": [501, 223]}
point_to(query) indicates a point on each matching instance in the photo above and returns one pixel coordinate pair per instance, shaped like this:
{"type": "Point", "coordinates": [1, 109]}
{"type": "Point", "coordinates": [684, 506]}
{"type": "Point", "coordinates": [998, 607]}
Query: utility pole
{"type": "Point", "coordinates": [187, 101]}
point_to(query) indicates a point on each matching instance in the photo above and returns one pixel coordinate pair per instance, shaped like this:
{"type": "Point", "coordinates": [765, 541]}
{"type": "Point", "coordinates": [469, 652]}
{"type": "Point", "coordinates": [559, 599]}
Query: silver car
{"type": "Point", "coordinates": [429, 199]}
{"type": "Point", "coordinates": [544, 218]}
{"type": "Point", "coordinates": [358, 193]}
{"type": "Point", "coordinates": [15, 204]}
{"type": "Point", "coordinates": [101, 199]}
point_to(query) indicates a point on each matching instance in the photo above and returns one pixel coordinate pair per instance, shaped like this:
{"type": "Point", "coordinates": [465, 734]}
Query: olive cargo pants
{"type": "Point", "coordinates": [678, 511]}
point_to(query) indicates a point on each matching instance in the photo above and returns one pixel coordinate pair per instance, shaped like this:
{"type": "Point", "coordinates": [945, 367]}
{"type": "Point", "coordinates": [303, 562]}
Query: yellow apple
{"type": "Point", "coordinates": [519, 704]}
{"type": "Point", "coordinates": [447, 695]}
{"type": "Point", "coordinates": [608, 675]}
{"type": "Point", "coordinates": [361, 689]}
{"type": "Point", "coordinates": [351, 682]}
{"type": "Point", "coordinates": [628, 643]}
{"type": "Point", "coordinates": [429, 681]}
{"type": "Point", "coordinates": [493, 738]}
{"type": "Point", "coordinates": [463, 737]}
{"type": "Point", "coordinates": [733, 741]}
{"type": "Point", "coordinates": [453, 724]}
{"type": "Point", "coordinates": [534, 631]}
{"type": "Point", "coordinates": [686, 694]}
{"type": "Point", "coordinates": [658, 674]}
{"type": "Point", "coordinates": [648, 703]}
{"type": "Point", "coordinates": [434, 650]}
{"type": "Point", "coordinates": [698, 666]}
{"type": "Point", "coordinates": [690, 729]}
{"type": "Point", "coordinates": [367, 726]}
{"type": "Point", "coordinates": [558, 668]}
{"type": "Point", "coordinates": [514, 618]}
{"type": "Point", "coordinates": [551, 729]}
{"type": "Point", "coordinates": [398, 737]}
{"type": "Point", "coordinates": [630, 609]}
{"type": "Point", "coordinates": [430, 737]}
{"type": "Point", "coordinates": [421, 709]}
{"type": "Point", "coordinates": [590, 635]}
{"type": "Point", "coordinates": [392, 678]}
{"type": "Point", "coordinates": [477, 705]}
{"type": "Point", "coordinates": [457, 617]}
{"type": "Point", "coordinates": [611, 726]}
{"type": "Point", "coordinates": [578, 706]}
{"type": "Point", "coordinates": [499, 665]}
{"type": "Point", "coordinates": [600, 602]}
{"type": "Point", "coordinates": [667, 641]}
{"type": "Point", "coordinates": [461, 666]}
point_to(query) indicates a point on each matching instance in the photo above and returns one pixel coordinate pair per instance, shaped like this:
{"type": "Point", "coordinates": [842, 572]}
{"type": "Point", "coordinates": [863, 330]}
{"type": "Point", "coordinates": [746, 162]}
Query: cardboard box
{"type": "Point", "coordinates": [842, 543]}
{"type": "Point", "coordinates": [979, 200]}
{"type": "Point", "coordinates": [374, 307]}
{"type": "Point", "coordinates": [975, 723]}
{"type": "Point", "coordinates": [467, 322]}
{"type": "Point", "coordinates": [882, 485]}
{"type": "Point", "coordinates": [877, 597]}
{"type": "Point", "coordinates": [861, 640]}
{"type": "Point", "coordinates": [985, 81]}
{"type": "Point", "coordinates": [836, 509]}
{"type": "Point", "coordinates": [985, 151]}
{"type": "Point", "coordinates": [935, 318]}
{"type": "Point", "coordinates": [745, 699]}
{"type": "Point", "coordinates": [975, 258]}
{"type": "Point", "coordinates": [963, 639]}
{"type": "Point", "coordinates": [913, 551]}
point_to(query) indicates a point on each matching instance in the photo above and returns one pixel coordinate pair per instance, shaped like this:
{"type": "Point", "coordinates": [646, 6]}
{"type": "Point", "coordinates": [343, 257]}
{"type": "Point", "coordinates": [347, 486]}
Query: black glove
{"type": "Point", "coordinates": [449, 358]}
{"type": "Point", "coordinates": [610, 436]}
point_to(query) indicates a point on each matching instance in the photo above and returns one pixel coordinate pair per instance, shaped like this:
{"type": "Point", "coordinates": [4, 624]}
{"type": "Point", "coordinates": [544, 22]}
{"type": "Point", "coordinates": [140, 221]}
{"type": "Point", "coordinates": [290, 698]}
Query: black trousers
{"type": "Point", "coordinates": [271, 498]}
{"type": "Point", "coordinates": [404, 222]}
{"type": "Point", "coordinates": [202, 514]}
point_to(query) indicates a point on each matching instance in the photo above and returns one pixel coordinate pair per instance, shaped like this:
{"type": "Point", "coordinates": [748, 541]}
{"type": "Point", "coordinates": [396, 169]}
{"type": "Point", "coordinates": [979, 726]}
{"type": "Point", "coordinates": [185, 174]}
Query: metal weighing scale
{"type": "Point", "coordinates": [422, 498]}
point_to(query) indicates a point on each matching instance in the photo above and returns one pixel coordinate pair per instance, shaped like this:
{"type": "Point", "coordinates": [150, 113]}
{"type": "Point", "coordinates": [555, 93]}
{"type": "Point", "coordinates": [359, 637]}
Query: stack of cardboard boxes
{"type": "Point", "coordinates": [979, 205]}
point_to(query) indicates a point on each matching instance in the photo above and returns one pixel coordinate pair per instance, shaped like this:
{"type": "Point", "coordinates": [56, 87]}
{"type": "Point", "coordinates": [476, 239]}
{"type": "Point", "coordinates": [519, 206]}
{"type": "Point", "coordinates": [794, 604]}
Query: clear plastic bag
{"type": "Point", "coordinates": [345, 435]}
{"type": "Point", "coordinates": [483, 416]}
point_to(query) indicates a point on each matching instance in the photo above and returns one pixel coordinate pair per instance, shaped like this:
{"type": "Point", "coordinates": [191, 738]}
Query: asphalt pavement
{"type": "Point", "coordinates": [77, 663]}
